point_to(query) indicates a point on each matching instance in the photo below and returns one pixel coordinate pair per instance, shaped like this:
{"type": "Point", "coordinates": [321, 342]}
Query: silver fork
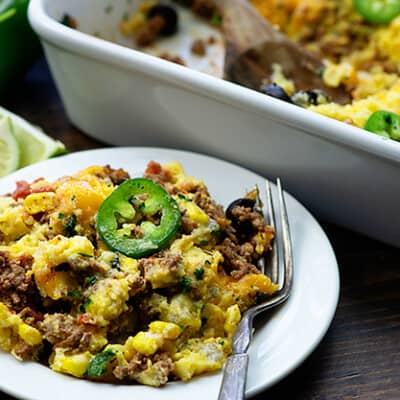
{"type": "Point", "coordinates": [235, 370]}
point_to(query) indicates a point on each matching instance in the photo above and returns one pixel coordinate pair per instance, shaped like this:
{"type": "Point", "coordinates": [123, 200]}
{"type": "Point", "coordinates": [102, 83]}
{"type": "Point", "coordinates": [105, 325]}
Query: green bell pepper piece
{"type": "Point", "coordinates": [19, 46]}
{"type": "Point", "coordinates": [140, 202]}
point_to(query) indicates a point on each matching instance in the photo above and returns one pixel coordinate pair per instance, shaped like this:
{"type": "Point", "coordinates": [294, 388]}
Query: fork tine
{"type": "Point", "coordinates": [286, 241]}
{"type": "Point", "coordinates": [270, 219]}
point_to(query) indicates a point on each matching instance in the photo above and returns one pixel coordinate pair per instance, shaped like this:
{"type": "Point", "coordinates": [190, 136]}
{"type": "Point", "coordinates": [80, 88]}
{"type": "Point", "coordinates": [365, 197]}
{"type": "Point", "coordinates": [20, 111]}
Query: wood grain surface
{"type": "Point", "coordinates": [359, 358]}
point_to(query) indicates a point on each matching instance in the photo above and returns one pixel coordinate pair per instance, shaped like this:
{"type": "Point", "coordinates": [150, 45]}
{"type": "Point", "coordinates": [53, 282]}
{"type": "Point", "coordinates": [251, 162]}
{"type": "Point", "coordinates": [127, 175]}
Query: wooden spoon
{"type": "Point", "coordinates": [253, 45]}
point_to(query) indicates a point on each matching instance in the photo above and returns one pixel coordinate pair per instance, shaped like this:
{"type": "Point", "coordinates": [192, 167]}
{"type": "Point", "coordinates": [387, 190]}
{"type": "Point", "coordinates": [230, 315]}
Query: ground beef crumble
{"type": "Point", "coordinates": [17, 289]}
{"type": "Point", "coordinates": [157, 173]}
{"type": "Point", "coordinates": [24, 351]}
{"type": "Point", "coordinates": [168, 262]}
{"type": "Point", "coordinates": [65, 332]}
{"type": "Point", "coordinates": [239, 249]}
{"type": "Point", "coordinates": [161, 365]}
{"type": "Point", "coordinates": [117, 176]}
{"type": "Point", "coordinates": [235, 261]}
{"type": "Point", "coordinates": [213, 210]}
{"type": "Point", "coordinates": [136, 365]}
{"type": "Point", "coordinates": [31, 316]}
{"type": "Point", "coordinates": [245, 214]}
{"type": "Point", "coordinates": [161, 271]}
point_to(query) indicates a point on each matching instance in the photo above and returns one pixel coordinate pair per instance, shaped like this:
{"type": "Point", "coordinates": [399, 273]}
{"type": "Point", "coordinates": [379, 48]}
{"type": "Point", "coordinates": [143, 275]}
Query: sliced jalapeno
{"type": "Point", "coordinates": [144, 205]}
{"type": "Point", "coordinates": [384, 123]}
{"type": "Point", "coordinates": [378, 11]}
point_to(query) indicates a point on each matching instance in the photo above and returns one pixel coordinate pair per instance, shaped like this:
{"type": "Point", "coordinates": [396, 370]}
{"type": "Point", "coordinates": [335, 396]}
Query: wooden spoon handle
{"type": "Point", "coordinates": [243, 28]}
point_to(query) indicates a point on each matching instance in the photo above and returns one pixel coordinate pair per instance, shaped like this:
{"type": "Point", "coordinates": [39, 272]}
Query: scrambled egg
{"type": "Point", "coordinates": [362, 57]}
{"type": "Point", "coordinates": [108, 317]}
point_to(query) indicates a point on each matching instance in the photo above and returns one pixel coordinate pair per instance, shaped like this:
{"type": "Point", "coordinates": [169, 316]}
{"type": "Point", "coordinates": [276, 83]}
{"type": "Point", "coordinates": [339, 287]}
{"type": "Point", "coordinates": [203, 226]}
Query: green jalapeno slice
{"type": "Point", "coordinates": [378, 11]}
{"type": "Point", "coordinates": [384, 123]}
{"type": "Point", "coordinates": [138, 218]}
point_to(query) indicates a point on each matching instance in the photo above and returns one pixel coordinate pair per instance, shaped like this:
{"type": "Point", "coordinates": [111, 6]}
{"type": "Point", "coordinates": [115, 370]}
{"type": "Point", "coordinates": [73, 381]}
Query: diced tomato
{"type": "Point", "coordinates": [85, 320]}
{"type": "Point", "coordinates": [153, 168]}
{"type": "Point", "coordinates": [22, 190]}
{"type": "Point", "coordinates": [157, 173]}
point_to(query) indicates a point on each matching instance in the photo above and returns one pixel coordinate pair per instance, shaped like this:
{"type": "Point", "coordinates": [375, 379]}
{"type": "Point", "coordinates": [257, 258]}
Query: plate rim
{"type": "Point", "coordinates": [165, 151]}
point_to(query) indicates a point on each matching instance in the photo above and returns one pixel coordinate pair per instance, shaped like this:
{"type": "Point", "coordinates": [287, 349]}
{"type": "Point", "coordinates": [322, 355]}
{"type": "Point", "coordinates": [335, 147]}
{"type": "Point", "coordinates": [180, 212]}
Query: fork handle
{"type": "Point", "coordinates": [234, 380]}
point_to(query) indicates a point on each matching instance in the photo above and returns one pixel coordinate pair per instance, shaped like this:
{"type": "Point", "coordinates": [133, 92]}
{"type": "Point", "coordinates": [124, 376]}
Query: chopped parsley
{"type": "Point", "coordinates": [216, 20]}
{"type": "Point", "coordinates": [183, 197]}
{"type": "Point", "coordinates": [91, 280]}
{"type": "Point", "coordinates": [186, 284]}
{"type": "Point", "coordinates": [83, 306]}
{"type": "Point", "coordinates": [74, 293]}
{"type": "Point", "coordinates": [208, 262]}
{"type": "Point", "coordinates": [199, 273]}
{"type": "Point", "coordinates": [203, 242]}
{"type": "Point", "coordinates": [69, 226]}
{"type": "Point", "coordinates": [98, 364]}
{"type": "Point", "coordinates": [221, 342]}
{"type": "Point", "coordinates": [85, 255]}
{"type": "Point", "coordinates": [61, 216]}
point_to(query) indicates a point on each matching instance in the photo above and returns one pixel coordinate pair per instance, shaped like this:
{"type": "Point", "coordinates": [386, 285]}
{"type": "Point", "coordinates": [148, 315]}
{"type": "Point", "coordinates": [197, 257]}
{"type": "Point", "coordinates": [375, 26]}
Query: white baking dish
{"type": "Point", "coordinates": [124, 97]}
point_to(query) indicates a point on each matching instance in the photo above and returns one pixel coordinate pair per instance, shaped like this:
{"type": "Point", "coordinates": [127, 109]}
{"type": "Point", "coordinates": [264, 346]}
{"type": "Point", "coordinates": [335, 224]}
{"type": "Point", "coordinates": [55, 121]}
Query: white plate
{"type": "Point", "coordinates": [280, 344]}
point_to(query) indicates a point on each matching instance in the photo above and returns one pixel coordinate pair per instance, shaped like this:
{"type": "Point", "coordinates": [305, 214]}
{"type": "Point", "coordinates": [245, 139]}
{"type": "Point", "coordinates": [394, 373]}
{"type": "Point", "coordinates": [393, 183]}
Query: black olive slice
{"type": "Point", "coordinates": [169, 15]}
{"type": "Point", "coordinates": [277, 92]}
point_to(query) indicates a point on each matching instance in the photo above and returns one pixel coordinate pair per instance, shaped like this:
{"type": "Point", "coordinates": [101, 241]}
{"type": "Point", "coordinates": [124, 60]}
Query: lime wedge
{"type": "Point", "coordinates": [34, 144]}
{"type": "Point", "coordinates": [9, 148]}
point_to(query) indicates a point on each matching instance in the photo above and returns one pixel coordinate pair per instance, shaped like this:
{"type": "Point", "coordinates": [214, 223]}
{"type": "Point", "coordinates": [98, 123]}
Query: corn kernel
{"type": "Point", "coordinates": [167, 329]}
{"type": "Point", "coordinates": [146, 343]}
{"type": "Point", "coordinates": [232, 319]}
{"type": "Point", "coordinates": [29, 334]}
{"type": "Point", "coordinates": [75, 365]}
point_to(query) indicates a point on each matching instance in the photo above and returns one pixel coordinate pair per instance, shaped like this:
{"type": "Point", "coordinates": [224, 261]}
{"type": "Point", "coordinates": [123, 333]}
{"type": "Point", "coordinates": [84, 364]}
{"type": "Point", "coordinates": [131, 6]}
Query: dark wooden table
{"type": "Point", "coordinates": [359, 358]}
